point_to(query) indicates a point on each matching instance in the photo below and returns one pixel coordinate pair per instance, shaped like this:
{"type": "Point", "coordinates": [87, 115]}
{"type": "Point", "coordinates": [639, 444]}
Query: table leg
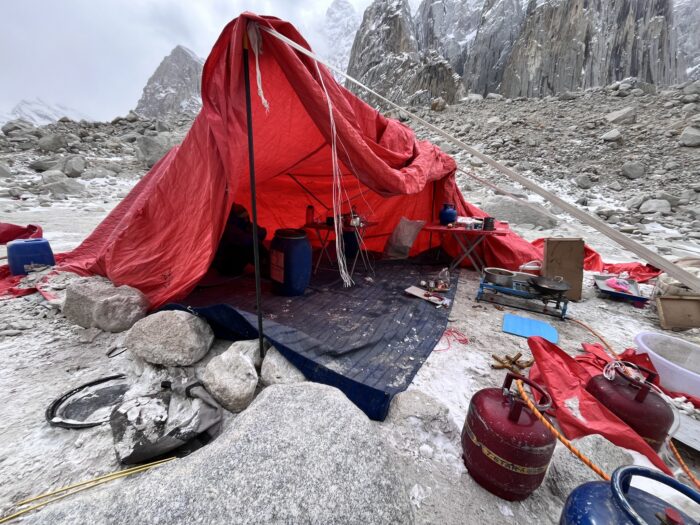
{"type": "Point", "coordinates": [324, 246]}
{"type": "Point", "coordinates": [467, 251]}
{"type": "Point", "coordinates": [361, 252]}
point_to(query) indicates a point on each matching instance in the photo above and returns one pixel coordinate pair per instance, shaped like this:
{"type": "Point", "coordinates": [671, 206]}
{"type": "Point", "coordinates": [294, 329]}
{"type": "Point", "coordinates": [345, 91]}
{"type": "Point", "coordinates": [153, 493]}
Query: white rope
{"type": "Point", "coordinates": [337, 192]}
{"type": "Point", "coordinates": [645, 253]}
{"type": "Point", "coordinates": [256, 46]}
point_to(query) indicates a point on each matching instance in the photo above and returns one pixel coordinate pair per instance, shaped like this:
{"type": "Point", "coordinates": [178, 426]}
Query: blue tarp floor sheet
{"type": "Point", "coordinates": [368, 340]}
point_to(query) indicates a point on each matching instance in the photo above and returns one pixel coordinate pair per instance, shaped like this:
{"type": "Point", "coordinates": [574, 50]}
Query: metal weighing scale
{"type": "Point", "coordinates": [522, 295]}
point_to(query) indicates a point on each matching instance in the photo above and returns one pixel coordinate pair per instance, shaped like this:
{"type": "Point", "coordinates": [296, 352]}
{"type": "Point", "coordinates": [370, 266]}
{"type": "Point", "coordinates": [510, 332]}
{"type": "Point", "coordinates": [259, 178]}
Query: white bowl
{"type": "Point", "coordinates": [677, 361]}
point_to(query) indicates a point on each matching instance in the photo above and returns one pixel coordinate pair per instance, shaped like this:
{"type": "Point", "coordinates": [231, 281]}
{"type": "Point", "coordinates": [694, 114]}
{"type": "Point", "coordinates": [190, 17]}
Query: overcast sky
{"type": "Point", "coordinates": [96, 55]}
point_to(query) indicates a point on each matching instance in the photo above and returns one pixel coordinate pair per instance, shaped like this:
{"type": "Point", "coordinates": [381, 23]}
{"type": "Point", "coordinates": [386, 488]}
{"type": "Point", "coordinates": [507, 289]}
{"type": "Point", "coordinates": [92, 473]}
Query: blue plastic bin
{"type": "Point", "coordinates": [24, 253]}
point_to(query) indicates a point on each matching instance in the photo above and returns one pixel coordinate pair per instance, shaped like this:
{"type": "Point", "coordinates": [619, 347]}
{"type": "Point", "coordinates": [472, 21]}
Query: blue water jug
{"type": "Point", "coordinates": [448, 214]}
{"type": "Point", "coordinates": [616, 503]}
{"type": "Point", "coordinates": [22, 254]}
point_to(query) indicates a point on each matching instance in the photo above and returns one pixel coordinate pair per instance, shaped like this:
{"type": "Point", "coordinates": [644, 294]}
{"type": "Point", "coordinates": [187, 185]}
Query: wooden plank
{"type": "Point", "coordinates": [564, 257]}
{"type": "Point", "coordinates": [678, 312]}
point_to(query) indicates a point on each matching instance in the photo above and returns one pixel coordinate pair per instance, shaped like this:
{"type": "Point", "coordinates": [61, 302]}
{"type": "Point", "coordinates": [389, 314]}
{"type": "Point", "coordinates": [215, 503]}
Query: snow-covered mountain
{"type": "Point", "coordinates": [39, 112]}
{"type": "Point", "coordinates": [174, 88]}
{"type": "Point", "coordinates": [342, 23]}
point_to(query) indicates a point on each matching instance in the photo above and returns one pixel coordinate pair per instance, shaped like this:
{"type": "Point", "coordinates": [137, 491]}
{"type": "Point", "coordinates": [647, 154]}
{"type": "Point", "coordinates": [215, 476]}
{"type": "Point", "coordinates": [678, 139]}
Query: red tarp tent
{"type": "Point", "coordinates": [163, 236]}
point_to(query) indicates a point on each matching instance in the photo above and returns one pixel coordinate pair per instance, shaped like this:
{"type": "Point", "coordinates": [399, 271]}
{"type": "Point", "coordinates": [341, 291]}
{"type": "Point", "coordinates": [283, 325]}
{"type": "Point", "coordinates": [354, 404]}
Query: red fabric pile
{"type": "Point", "coordinates": [577, 412]}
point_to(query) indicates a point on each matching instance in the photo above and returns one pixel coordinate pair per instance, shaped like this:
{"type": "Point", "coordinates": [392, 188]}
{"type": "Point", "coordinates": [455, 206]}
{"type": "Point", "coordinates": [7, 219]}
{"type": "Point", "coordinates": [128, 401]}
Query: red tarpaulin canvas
{"type": "Point", "coordinates": [162, 237]}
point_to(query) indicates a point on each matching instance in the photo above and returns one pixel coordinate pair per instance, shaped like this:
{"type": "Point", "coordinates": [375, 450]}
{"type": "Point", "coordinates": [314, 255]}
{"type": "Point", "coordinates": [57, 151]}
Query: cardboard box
{"type": "Point", "coordinates": [564, 257]}
{"type": "Point", "coordinates": [678, 312]}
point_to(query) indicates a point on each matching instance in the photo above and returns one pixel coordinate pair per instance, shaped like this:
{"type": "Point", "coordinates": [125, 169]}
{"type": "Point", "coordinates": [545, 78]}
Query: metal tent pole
{"type": "Point", "coordinates": [253, 203]}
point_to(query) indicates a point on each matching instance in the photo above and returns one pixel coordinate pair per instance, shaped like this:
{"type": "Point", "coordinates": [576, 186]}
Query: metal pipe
{"type": "Point", "coordinates": [253, 203]}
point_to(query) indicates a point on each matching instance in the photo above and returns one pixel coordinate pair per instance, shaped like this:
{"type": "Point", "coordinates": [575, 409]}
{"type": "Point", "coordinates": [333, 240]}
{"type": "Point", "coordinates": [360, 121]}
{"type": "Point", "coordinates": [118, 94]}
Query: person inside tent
{"type": "Point", "coordinates": [235, 249]}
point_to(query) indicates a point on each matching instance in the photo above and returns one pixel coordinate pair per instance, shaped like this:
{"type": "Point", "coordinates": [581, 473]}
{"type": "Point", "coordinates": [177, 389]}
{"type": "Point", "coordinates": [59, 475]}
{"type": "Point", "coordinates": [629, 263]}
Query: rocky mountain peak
{"type": "Point", "coordinates": [500, 24]}
{"type": "Point", "coordinates": [592, 43]}
{"type": "Point", "coordinates": [342, 22]}
{"type": "Point", "coordinates": [387, 28]}
{"type": "Point", "coordinates": [448, 26]}
{"type": "Point", "coordinates": [386, 55]}
{"type": "Point", "coordinates": [174, 88]}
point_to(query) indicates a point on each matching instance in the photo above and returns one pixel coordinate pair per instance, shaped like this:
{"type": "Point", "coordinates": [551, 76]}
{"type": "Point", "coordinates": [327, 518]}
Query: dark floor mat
{"type": "Point", "coordinates": [369, 340]}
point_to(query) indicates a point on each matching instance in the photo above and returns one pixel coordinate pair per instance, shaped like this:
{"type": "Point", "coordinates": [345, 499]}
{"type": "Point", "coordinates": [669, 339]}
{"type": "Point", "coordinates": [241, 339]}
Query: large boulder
{"type": "Point", "coordinates": [690, 137]}
{"type": "Point", "coordinates": [73, 166]}
{"type": "Point", "coordinates": [51, 176]}
{"type": "Point", "coordinates": [231, 378]}
{"type": "Point", "coordinates": [277, 370]}
{"type": "Point", "coordinates": [655, 206]}
{"type": "Point", "coordinates": [150, 149]}
{"type": "Point", "coordinates": [17, 126]}
{"type": "Point", "coordinates": [97, 173]}
{"type": "Point", "coordinates": [250, 349]}
{"type": "Point", "coordinates": [633, 170]}
{"type": "Point", "coordinates": [566, 472]}
{"type": "Point", "coordinates": [170, 338]}
{"type": "Point", "coordinates": [96, 302]}
{"type": "Point", "coordinates": [506, 209]}
{"type": "Point", "coordinates": [300, 453]}
{"type": "Point", "coordinates": [45, 163]}
{"type": "Point", "coordinates": [614, 135]}
{"type": "Point", "coordinates": [5, 171]}
{"type": "Point", "coordinates": [60, 188]}
{"type": "Point", "coordinates": [626, 115]}
{"type": "Point", "coordinates": [52, 142]}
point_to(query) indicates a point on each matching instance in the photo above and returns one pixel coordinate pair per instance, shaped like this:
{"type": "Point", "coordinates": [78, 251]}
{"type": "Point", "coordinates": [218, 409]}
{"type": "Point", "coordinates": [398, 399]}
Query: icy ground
{"type": "Point", "coordinates": [42, 356]}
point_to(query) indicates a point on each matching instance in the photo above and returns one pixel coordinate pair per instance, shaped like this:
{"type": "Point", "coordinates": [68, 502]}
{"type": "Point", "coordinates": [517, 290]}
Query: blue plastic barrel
{"type": "Point", "coordinates": [22, 254]}
{"type": "Point", "coordinates": [290, 261]}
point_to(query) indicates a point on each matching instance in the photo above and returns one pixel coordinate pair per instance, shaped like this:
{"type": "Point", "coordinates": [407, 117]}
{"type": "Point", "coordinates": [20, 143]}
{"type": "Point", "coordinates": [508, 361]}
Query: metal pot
{"type": "Point", "coordinates": [499, 277]}
{"type": "Point", "coordinates": [549, 286]}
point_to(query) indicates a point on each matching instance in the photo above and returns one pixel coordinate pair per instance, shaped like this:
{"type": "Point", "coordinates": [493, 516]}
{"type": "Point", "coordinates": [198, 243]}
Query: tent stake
{"type": "Point", "coordinates": [253, 204]}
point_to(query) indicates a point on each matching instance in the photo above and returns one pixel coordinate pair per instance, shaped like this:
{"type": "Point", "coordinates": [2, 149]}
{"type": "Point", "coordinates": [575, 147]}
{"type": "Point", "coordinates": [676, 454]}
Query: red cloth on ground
{"type": "Point", "coordinates": [593, 262]}
{"type": "Point", "coordinates": [578, 412]}
{"type": "Point", "coordinates": [10, 232]}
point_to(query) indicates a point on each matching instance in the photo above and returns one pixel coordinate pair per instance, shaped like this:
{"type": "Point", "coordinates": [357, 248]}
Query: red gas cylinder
{"type": "Point", "coordinates": [505, 447]}
{"type": "Point", "coordinates": [634, 402]}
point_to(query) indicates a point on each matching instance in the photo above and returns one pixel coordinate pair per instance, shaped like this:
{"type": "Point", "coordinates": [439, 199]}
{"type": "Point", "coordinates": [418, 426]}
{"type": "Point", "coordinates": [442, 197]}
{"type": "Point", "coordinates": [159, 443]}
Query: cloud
{"type": "Point", "coordinates": [96, 56]}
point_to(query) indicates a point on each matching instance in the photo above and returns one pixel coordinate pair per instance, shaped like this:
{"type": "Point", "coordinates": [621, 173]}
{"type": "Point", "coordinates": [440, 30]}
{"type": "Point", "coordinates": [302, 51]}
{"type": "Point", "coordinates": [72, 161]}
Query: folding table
{"type": "Point", "coordinates": [323, 233]}
{"type": "Point", "coordinates": [468, 241]}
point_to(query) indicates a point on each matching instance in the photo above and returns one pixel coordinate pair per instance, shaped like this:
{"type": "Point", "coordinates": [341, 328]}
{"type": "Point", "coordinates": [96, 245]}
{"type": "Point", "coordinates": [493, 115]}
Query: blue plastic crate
{"type": "Point", "coordinates": [22, 254]}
